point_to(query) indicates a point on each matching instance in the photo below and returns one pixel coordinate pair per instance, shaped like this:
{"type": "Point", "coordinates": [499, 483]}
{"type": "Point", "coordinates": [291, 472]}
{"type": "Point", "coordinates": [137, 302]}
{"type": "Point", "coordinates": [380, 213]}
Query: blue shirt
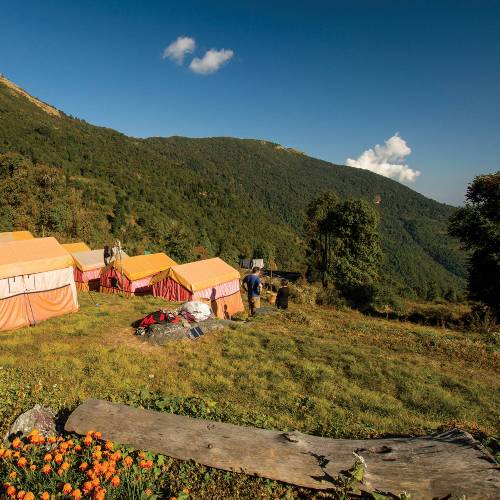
{"type": "Point", "coordinates": [253, 285]}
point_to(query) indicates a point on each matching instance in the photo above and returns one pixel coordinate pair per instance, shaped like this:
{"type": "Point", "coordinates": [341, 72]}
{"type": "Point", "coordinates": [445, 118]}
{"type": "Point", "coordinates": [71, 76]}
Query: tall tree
{"type": "Point", "coordinates": [344, 244]}
{"type": "Point", "coordinates": [477, 225]}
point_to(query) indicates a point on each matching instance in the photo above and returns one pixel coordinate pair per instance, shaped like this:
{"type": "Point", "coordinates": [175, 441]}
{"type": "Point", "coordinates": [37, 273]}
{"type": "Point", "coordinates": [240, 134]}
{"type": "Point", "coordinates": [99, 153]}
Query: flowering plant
{"type": "Point", "coordinates": [36, 467]}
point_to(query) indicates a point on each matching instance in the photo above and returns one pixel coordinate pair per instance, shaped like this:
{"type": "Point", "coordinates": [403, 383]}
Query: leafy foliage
{"type": "Point", "coordinates": [344, 245]}
{"type": "Point", "coordinates": [235, 198]}
{"type": "Point", "coordinates": [477, 225]}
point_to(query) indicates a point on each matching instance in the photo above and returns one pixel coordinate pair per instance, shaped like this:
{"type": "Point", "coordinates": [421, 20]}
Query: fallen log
{"type": "Point", "coordinates": [426, 467]}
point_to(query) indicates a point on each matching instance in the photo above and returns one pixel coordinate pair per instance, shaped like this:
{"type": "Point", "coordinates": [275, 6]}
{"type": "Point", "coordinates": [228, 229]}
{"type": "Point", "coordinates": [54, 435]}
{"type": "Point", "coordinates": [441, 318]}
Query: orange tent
{"type": "Point", "coordinates": [210, 280]}
{"type": "Point", "coordinates": [15, 236]}
{"type": "Point", "coordinates": [36, 282]}
{"type": "Point", "coordinates": [132, 275]}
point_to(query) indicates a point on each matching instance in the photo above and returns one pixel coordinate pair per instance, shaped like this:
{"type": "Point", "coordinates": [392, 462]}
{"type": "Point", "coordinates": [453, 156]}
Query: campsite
{"type": "Point", "coordinates": [327, 372]}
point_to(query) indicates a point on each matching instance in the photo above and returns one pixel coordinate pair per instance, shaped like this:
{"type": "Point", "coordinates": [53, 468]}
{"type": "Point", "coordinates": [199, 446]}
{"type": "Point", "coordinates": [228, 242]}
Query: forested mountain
{"type": "Point", "coordinates": [232, 197]}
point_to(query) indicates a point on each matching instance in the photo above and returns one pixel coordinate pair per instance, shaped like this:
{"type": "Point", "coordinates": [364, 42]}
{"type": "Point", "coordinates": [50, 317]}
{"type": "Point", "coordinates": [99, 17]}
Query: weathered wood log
{"type": "Point", "coordinates": [450, 463]}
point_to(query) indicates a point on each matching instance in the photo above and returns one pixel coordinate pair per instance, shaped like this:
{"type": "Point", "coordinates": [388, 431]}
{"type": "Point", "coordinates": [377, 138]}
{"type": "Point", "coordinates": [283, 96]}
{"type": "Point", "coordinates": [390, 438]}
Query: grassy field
{"type": "Point", "coordinates": [318, 370]}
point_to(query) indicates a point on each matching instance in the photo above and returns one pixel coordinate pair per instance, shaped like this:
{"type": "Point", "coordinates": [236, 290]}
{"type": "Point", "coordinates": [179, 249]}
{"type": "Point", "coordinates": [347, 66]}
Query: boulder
{"type": "Point", "coordinates": [162, 334]}
{"type": "Point", "coordinates": [40, 418]}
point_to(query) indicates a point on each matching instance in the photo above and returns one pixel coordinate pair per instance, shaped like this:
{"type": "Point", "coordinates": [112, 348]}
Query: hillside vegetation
{"type": "Point", "coordinates": [235, 198]}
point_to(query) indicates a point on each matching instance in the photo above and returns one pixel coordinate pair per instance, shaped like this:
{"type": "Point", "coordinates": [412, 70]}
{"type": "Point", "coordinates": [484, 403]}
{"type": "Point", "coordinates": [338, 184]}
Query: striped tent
{"type": "Point", "coordinates": [211, 280]}
{"type": "Point", "coordinates": [36, 282]}
{"type": "Point", "coordinates": [133, 275]}
{"type": "Point", "coordinates": [88, 266]}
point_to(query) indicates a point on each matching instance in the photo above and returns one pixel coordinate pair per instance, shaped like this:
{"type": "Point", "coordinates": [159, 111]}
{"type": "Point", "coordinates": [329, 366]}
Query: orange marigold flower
{"type": "Point", "coordinates": [146, 464]}
{"type": "Point", "coordinates": [96, 482]}
{"type": "Point", "coordinates": [97, 435]}
{"type": "Point", "coordinates": [88, 487]}
{"type": "Point", "coordinates": [16, 454]}
{"type": "Point", "coordinates": [58, 458]}
{"type": "Point", "coordinates": [148, 492]}
{"type": "Point", "coordinates": [2, 451]}
{"type": "Point", "coordinates": [63, 446]}
{"type": "Point", "coordinates": [13, 474]}
{"type": "Point", "coordinates": [109, 445]}
{"type": "Point", "coordinates": [87, 441]}
{"type": "Point", "coordinates": [40, 440]}
{"type": "Point", "coordinates": [67, 488]}
{"type": "Point", "coordinates": [32, 467]}
{"type": "Point", "coordinates": [76, 494]}
{"type": "Point", "coordinates": [116, 456]}
{"type": "Point", "coordinates": [115, 482]}
{"type": "Point", "coordinates": [17, 443]}
{"type": "Point", "coordinates": [22, 462]}
{"type": "Point", "coordinates": [78, 448]}
{"type": "Point", "coordinates": [11, 491]}
{"type": "Point", "coordinates": [7, 454]}
{"type": "Point", "coordinates": [84, 466]}
{"type": "Point", "coordinates": [97, 455]}
{"type": "Point", "coordinates": [46, 469]}
{"type": "Point", "coordinates": [21, 494]}
{"type": "Point", "coordinates": [142, 455]}
{"type": "Point", "coordinates": [30, 496]}
{"type": "Point", "coordinates": [60, 471]}
{"type": "Point", "coordinates": [100, 495]}
{"type": "Point", "coordinates": [128, 461]}
{"type": "Point", "coordinates": [45, 496]}
{"type": "Point", "coordinates": [33, 439]}
{"type": "Point", "coordinates": [47, 458]}
{"type": "Point", "coordinates": [65, 466]}
{"type": "Point", "coordinates": [51, 439]}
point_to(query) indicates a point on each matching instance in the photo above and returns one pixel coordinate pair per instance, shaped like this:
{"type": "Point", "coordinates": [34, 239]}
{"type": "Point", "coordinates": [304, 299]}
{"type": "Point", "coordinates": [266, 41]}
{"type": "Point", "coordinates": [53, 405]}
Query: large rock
{"type": "Point", "coordinates": [40, 418]}
{"type": "Point", "coordinates": [162, 334]}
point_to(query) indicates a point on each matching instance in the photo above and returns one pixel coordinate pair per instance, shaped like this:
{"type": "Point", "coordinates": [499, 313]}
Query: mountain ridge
{"type": "Point", "coordinates": [233, 197]}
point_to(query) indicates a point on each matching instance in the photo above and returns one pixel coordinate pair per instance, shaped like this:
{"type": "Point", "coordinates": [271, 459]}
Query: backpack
{"type": "Point", "coordinates": [159, 317]}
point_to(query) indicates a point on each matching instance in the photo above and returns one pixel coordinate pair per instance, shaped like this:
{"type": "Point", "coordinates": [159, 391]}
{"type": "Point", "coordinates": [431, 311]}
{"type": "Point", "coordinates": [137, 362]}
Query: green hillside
{"type": "Point", "coordinates": [231, 196]}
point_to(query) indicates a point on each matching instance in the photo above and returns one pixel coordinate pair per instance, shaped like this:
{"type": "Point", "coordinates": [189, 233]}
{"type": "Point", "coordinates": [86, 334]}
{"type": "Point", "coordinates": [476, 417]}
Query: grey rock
{"type": "Point", "coordinates": [162, 334]}
{"type": "Point", "coordinates": [40, 418]}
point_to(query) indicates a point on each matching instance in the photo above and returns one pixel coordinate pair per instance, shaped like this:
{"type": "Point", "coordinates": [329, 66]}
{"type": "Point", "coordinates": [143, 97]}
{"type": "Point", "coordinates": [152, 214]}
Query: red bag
{"type": "Point", "coordinates": [159, 317]}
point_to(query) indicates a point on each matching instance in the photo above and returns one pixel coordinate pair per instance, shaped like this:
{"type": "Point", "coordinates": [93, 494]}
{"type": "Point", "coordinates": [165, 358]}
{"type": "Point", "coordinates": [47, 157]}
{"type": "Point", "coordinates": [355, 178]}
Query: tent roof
{"type": "Point", "coordinates": [140, 266]}
{"type": "Point", "coordinates": [15, 236]}
{"type": "Point", "coordinates": [203, 274]}
{"type": "Point", "coordinates": [91, 259]}
{"type": "Point", "coordinates": [80, 246]}
{"type": "Point", "coordinates": [32, 256]}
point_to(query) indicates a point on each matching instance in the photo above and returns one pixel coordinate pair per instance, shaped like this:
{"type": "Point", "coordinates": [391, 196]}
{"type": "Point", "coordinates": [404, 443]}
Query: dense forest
{"type": "Point", "coordinates": [217, 196]}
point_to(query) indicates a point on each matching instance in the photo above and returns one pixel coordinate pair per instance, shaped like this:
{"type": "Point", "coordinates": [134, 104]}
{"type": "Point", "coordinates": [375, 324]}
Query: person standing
{"type": "Point", "coordinates": [282, 297]}
{"type": "Point", "coordinates": [253, 286]}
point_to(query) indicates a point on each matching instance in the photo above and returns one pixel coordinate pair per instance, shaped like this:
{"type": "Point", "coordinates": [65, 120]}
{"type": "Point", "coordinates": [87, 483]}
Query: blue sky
{"type": "Point", "coordinates": [330, 78]}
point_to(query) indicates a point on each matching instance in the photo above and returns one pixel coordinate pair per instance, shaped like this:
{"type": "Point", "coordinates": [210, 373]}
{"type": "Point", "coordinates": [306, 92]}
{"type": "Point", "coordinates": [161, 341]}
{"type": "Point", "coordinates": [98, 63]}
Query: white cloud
{"type": "Point", "coordinates": [211, 61]}
{"type": "Point", "coordinates": [178, 49]}
{"type": "Point", "coordinates": [387, 160]}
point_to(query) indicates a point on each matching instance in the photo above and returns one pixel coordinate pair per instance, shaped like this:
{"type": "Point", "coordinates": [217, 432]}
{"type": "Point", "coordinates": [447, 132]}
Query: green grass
{"type": "Point", "coordinates": [318, 370]}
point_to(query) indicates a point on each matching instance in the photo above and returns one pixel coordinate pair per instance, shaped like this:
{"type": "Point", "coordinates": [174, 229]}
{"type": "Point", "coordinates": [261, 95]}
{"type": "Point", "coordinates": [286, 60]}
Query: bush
{"type": "Point", "coordinates": [481, 320]}
{"type": "Point", "coordinates": [302, 292]}
{"type": "Point", "coordinates": [331, 297]}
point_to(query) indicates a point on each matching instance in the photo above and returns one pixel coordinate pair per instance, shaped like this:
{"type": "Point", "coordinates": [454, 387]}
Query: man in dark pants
{"type": "Point", "coordinates": [253, 287]}
{"type": "Point", "coordinates": [282, 297]}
